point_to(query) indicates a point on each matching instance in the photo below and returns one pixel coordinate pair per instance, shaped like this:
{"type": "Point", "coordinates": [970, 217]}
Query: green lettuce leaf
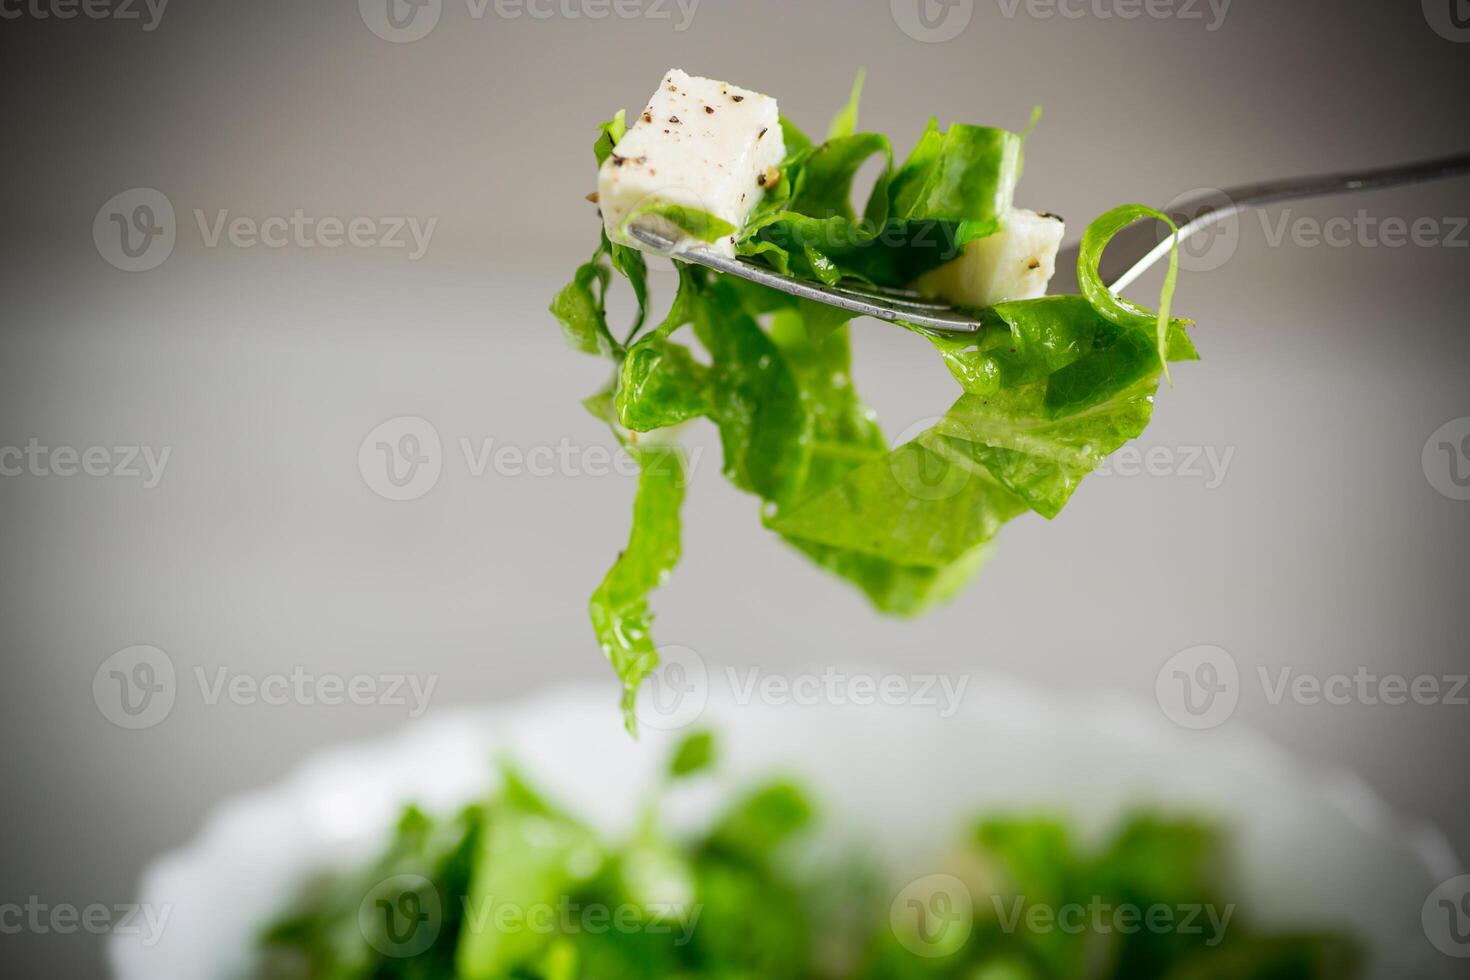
{"type": "Point", "coordinates": [619, 607]}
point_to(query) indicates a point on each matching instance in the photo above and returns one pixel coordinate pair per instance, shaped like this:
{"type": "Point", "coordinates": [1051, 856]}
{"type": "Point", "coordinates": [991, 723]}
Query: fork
{"type": "Point", "coordinates": [1192, 215]}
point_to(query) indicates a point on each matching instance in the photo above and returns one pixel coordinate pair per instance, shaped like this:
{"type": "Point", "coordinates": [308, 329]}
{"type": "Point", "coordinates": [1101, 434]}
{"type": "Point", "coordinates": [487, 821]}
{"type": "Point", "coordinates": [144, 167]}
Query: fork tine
{"type": "Point", "coordinates": [893, 308]}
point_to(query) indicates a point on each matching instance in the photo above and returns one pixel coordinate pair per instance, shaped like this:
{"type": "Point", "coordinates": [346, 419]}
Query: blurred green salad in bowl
{"type": "Point", "coordinates": [514, 887]}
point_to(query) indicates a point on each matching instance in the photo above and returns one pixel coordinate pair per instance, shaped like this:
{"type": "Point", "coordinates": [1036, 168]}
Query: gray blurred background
{"type": "Point", "coordinates": [1326, 544]}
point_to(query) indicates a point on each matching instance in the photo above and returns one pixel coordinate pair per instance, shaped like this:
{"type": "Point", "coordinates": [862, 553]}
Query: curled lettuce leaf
{"type": "Point", "coordinates": [1113, 307]}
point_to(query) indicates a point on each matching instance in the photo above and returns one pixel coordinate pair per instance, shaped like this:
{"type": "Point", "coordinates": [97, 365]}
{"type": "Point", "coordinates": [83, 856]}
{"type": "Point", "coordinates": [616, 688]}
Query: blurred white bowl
{"type": "Point", "coordinates": [1314, 849]}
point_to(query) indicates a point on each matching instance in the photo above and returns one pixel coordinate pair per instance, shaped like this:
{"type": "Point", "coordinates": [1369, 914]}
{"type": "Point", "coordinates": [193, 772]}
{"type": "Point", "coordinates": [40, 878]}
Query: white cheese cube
{"type": "Point", "coordinates": [700, 144]}
{"type": "Point", "coordinates": [1014, 263]}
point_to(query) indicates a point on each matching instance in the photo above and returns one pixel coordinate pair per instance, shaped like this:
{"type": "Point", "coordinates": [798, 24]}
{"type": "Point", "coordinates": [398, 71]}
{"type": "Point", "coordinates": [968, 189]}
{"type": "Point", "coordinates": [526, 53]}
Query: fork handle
{"type": "Point", "coordinates": [1197, 213]}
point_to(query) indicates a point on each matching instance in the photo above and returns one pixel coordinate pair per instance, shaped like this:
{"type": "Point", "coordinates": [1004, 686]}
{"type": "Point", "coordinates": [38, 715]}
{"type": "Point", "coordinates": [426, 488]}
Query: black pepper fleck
{"type": "Point", "coordinates": [710, 109]}
{"type": "Point", "coordinates": [674, 120]}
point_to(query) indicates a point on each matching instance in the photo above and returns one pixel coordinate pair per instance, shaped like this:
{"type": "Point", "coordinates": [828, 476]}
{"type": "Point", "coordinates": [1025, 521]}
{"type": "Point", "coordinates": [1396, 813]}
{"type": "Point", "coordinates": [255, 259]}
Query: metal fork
{"type": "Point", "coordinates": [1192, 215]}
